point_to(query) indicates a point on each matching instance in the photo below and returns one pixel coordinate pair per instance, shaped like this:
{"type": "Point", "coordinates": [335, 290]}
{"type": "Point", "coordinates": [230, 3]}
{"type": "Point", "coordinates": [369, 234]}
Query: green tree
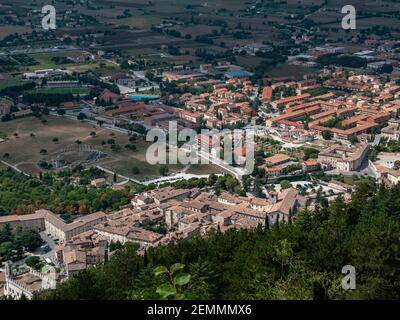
{"type": "Point", "coordinates": [6, 233]}
{"type": "Point", "coordinates": [175, 280]}
{"type": "Point", "coordinates": [81, 116]}
{"type": "Point", "coordinates": [34, 262]}
{"type": "Point", "coordinates": [327, 135]}
{"type": "Point", "coordinates": [135, 170]}
{"type": "Point", "coordinates": [285, 184]}
{"type": "Point", "coordinates": [163, 170]}
{"type": "Point", "coordinates": [29, 239]}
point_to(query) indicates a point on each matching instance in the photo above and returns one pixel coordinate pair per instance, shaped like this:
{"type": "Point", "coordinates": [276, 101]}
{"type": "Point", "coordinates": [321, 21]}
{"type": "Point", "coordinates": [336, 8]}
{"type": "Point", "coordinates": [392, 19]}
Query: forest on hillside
{"type": "Point", "coordinates": [299, 260]}
{"type": "Point", "coordinates": [23, 195]}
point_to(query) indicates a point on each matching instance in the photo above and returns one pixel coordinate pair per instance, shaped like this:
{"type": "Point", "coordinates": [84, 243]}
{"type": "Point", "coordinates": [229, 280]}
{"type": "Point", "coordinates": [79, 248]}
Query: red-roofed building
{"type": "Point", "coordinates": [194, 117]}
{"type": "Point", "coordinates": [284, 101]}
{"type": "Point", "coordinates": [245, 109]}
{"type": "Point", "coordinates": [311, 165]}
{"type": "Point", "coordinates": [380, 117]}
{"type": "Point", "coordinates": [241, 153]}
{"type": "Point", "coordinates": [293, 116]}
{"type": "Point", "coordinates": [273, 172]}
{"type": "Point", "coordinates": [118, 76]}
{"type": "Point", "coordinates": [287, 124]}
{"type": "Point", "coordinates": [266, 94]}
{"type": "Point", "coordinates": [108, 96]}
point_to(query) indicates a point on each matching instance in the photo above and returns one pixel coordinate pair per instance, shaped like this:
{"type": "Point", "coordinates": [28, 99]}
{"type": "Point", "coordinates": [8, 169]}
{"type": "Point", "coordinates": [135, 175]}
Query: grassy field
{"type": "Point", "coordinates": [46, 62]}
{"type": "Point", "coordinates": [24, 149]}
{"type": "Point", "coordinates": [201, 169]}
{"type": "Point", "coordinates": [11, 82]}
{"type": "Point", "coordinates": [6, 30]}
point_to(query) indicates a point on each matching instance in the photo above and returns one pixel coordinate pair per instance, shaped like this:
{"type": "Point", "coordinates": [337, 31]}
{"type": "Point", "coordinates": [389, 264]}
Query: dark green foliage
{"type": "Point", "coordinates": [342, 60]}
{"type": "Point", "coordinates": [14, 91]}
{"type": "Point", "coordinates": [34, 262]}
{"type": "Point", "coordinates": [310, 153]}
{"type": "Point", "coordinates": [49, 99]}
{"type": "Point", "coordinates": [21, 194]}
{"type": "Point", "coordinates": [327, 135]}
{"type": "Point", "coordinates": [13, 244]}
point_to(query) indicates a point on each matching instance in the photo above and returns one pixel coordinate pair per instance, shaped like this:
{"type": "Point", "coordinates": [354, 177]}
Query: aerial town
{"type": "Point", "coordinates": [78, 104]}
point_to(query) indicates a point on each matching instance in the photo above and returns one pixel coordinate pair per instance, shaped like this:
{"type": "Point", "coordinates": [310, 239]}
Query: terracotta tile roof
{"type": "Point", "coordinates": [277, 158]}
{"type": "Point", "coordinates": [266, 93]}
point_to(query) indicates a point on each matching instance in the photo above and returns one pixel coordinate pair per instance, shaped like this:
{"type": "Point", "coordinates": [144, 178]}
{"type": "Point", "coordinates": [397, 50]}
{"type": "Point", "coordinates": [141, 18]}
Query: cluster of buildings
{"type": "Point", "coordinates": [386, 168]}
{"type": "Point", "coordinates": [345, 119]}
{"type": "Point", "coordinates": [25, 284]}
{"type": "Point", "coordinates": [183, 212]}
{"type": "Point", "coordinates": [379, 54]}
{"type": "Point", "coordinates": [342, 115]}
{"type": "Point", "coordinates": [132, 83]}
{"type": "Point", "coordinates": [10, 110]}
{"type": "Point", "coordinates": [344, 108]}
{"type": "Point", "coordinates": [87, 248]}
{"type": "Point", "coordinates": [189, 212]}
{"type": "Point", "coordinates": [226, 103]}
{"type": "Point", "coordinates": [222, 68]}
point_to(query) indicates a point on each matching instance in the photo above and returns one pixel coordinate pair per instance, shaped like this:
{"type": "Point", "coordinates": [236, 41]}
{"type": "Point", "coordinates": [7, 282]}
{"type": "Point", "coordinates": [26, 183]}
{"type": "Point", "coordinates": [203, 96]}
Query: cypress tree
{"type": "Point", "coordinates": [266, 225]}
{"type": "Point", "coordinates": [145, 258]}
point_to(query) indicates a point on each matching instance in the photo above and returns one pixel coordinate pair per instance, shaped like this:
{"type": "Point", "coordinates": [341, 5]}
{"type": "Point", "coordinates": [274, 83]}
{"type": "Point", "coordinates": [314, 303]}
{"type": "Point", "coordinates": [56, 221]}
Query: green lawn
{"type": "Point", "coordinates": [12, 82]}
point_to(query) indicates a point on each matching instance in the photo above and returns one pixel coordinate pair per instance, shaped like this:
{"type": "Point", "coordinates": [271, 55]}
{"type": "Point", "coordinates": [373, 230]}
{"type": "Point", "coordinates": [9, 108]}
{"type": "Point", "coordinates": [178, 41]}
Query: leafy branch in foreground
{"type": "Point", "coordinates": [175, 280]}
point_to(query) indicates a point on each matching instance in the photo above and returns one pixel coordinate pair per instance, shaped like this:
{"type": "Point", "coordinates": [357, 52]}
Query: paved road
{"type": "Point", "coordinates": [377, 140]}
{"type": "Point", "coordinates": [50, 243]}
{"type": "Point", "coordinates": [48, 240]}
{"type": "Point", "coordinates": [14, 168]}
{"type": "Point", "coordinates": [119, 175]}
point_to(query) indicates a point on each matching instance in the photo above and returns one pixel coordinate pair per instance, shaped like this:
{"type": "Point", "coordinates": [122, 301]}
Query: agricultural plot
{"type": "Point", "coordinates": [6, 30]}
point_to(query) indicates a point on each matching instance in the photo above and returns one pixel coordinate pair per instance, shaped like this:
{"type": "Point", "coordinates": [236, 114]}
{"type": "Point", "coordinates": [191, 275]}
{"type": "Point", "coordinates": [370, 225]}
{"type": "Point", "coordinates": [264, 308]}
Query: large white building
{"type": "Point", "coordinates": [344, 158]}
{"type": "Point", "coordinates": [45, 220]}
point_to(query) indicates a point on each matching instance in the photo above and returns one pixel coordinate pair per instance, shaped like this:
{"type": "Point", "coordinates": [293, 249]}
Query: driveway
{"type": "Point", "coordinates": [50, 242]}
